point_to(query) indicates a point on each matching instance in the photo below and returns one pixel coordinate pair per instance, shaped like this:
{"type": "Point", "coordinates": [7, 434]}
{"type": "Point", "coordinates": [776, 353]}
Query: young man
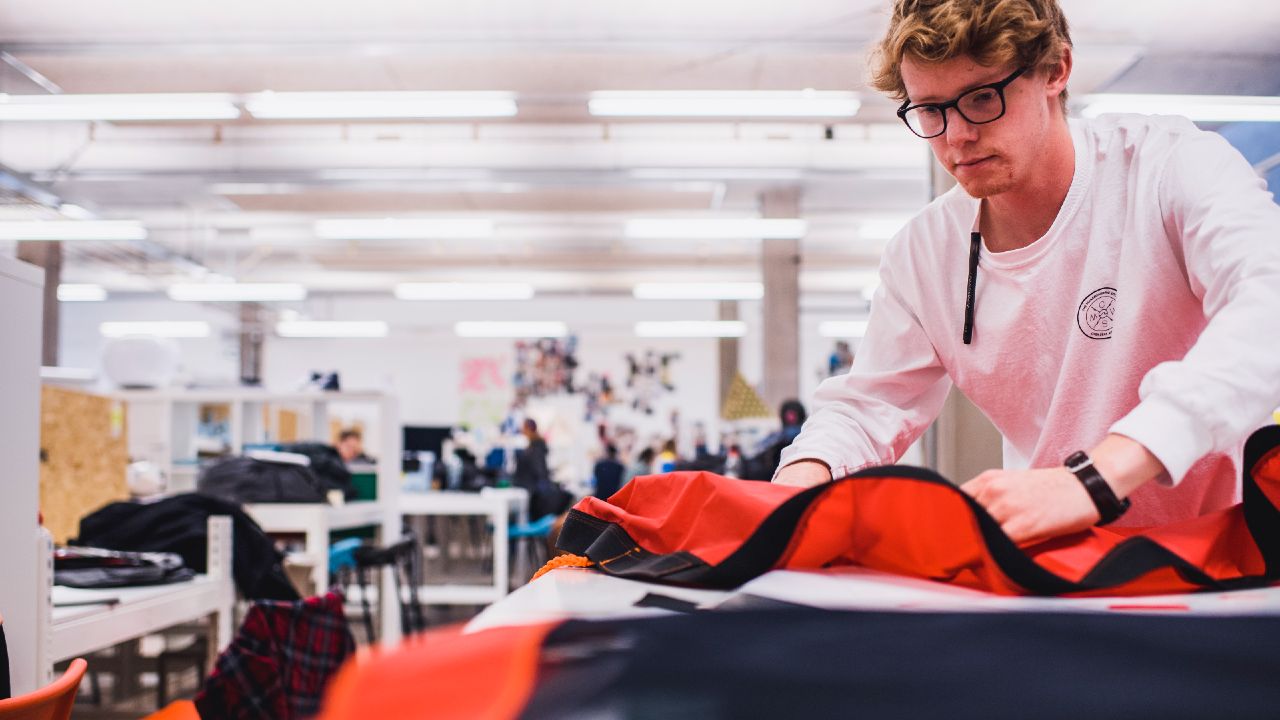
{"type": "Point", "coordinates": [1106, 291]}
{"type": "Point", "coordinates": [350, 445]}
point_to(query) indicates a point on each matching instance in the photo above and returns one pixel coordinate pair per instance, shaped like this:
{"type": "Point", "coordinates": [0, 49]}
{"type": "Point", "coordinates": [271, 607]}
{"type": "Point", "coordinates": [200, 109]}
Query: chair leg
{"type": "Point", "coordinates": [162, 681]}
{"type": "Point", "coordinates": [95, 689]}
{"type": "Point", "coordinates": [363, 577]}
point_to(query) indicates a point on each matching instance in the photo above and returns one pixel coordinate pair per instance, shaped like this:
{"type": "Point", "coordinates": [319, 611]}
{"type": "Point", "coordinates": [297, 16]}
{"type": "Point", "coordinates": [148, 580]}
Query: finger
{"type": "Point", "coordinates": [1015, 532]}
{"type": "Point", "coordinates": [975, 486]}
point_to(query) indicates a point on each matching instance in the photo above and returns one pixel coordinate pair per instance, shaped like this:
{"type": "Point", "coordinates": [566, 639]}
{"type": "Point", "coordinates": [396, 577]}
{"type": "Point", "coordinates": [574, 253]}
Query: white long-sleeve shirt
{"type": "Point", "coordinates": [1150, 309]}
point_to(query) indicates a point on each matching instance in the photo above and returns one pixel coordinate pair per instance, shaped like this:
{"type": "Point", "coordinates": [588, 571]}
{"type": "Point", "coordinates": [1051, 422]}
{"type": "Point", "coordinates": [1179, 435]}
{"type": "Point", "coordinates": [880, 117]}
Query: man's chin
{"type": "Point", "coordinates": [985, 187]}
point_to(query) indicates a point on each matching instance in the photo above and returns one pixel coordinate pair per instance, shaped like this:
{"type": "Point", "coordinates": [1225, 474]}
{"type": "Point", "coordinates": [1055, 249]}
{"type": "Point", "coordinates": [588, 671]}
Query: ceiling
{"type": "Point", "coordinates": [239, 198]}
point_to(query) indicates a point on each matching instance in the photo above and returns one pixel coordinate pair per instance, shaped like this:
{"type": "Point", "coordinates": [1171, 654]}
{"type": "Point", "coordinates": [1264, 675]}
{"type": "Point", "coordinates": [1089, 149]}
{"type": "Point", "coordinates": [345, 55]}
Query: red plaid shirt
{"type": "Point", "coordinates": [279, 663]}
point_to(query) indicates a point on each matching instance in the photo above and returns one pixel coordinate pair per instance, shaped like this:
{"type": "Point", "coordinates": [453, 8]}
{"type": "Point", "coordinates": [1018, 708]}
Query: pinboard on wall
{"type": "Point", "coordinates": [84, 457]}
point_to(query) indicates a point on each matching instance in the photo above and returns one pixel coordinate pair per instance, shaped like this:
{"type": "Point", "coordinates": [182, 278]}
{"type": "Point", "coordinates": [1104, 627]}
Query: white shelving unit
{"type": "Point", "coordinates": [80, 621]}
{"type": "Point", "coordinates": [315, 522]}
{"type": "Point", "coordinates": [21, 287]}
{"type": "Point", "coordinates": [497, 504]}
{"type": "Point", "coordinates": [163, 426]}
{"type": "Point", "coordinates": [162, 429]}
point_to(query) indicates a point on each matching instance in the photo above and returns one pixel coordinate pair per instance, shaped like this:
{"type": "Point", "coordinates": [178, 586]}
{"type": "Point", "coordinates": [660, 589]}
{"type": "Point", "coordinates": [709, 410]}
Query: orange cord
{"type": "Point", "coordinates": [562, 561]}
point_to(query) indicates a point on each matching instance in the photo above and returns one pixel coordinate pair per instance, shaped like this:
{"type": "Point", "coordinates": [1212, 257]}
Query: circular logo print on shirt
{"type": "Point", "coordinates": [1097, 314]}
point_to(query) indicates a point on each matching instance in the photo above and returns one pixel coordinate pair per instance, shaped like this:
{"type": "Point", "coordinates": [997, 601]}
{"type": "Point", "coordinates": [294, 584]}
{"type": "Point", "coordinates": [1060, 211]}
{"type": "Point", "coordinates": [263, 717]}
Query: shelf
{"type": "Point", "coordinates": [82, 629]}
{"type": "Point", "coordinates": [236, 394]}
{"type": "Point", "coordinates": [300, 517]}
{"type": "Point", "coordinates": [458, 594]}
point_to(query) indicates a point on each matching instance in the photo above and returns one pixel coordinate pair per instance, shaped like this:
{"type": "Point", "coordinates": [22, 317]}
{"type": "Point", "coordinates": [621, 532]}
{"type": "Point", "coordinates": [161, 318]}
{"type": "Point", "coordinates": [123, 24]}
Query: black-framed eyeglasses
{"type": "Point", "coordinates": [978, 106]}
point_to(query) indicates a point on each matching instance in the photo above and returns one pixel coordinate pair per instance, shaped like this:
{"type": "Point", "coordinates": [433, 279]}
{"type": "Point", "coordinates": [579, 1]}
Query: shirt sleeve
{"type": "Point", "coordinates": [1227, 385]}
{"type": "Point", "coordinates": [895, 388]}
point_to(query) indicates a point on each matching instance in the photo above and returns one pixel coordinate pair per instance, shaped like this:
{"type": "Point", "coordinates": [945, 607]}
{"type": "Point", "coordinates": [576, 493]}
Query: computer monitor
{"type": "Point", "coordinates": [420, 438]}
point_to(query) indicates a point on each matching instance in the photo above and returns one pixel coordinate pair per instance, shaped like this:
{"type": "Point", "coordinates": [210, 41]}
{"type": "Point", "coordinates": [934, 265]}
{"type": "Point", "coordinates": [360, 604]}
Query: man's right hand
{"type": "Point", "coordinates": [804, 473]}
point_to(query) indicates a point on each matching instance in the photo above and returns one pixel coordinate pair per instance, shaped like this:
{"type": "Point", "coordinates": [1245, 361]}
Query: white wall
{"type": "Point", "coordinates": [420, 360]}
{"type": "Point", "coordinates": [211, 360]}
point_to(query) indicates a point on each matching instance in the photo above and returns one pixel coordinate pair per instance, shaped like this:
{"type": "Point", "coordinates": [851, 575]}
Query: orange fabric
{"type": "Point", "coordinates": [665, 515]}
{"type": "Point", "coordinates": [560, 561]}
{"type": "Point", "coordinates": [176, 710]}
{"type": "Point", "coordinates": [482, 676]}
{"type": "Point", "coordinates": [51, 702]}
{"type": "Point", "coordinates": [916, 525]}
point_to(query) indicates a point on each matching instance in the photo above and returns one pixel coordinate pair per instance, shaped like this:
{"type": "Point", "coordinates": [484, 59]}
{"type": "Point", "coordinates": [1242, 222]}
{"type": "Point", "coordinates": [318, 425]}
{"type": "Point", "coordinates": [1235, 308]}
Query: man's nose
{"type": "Point", "coordinates": [959, 131]}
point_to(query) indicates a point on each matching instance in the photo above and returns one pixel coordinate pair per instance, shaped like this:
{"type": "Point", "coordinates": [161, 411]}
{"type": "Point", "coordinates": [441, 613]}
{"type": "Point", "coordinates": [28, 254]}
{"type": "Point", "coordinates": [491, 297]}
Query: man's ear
{"type": "Point", "coordinates": [1059, 74]}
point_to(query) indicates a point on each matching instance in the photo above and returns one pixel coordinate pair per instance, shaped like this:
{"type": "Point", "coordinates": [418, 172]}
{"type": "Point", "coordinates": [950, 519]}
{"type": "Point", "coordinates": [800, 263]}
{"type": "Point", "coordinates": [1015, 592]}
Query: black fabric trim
{"type": "Point", "coordinates": [763, 548]}
{"type": "Point", "coordinates": [5, 689]}
{"type": "Point", "coordinates": [1260, 516]}
{"type": "Point", "coordinates": [1012, 561]}
{"type": "Point", "coordinates": [616, 552]}
{"type": "Point", "coordinates": [666, 602]}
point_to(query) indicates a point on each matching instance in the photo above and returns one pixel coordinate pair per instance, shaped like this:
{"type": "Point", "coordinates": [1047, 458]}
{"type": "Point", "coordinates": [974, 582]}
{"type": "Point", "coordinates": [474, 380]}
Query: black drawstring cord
{"type": "Point", "coordinates": [974, 243]}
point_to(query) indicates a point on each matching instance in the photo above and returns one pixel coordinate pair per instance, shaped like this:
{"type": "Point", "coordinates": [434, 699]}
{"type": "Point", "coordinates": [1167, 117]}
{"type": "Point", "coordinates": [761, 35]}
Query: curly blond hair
{"type": "Point", "coordinates": [1030, 33]}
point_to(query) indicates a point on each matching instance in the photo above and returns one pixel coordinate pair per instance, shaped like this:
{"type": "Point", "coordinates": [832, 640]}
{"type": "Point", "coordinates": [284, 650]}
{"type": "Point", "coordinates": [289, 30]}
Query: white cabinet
{"type": "Point", "coordinates": [21, 288]}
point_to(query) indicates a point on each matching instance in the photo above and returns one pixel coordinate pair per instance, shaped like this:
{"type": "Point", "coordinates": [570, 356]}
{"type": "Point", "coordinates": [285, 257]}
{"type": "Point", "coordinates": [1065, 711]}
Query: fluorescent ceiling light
{"type": "Point", "coordinates": [73, 230]}
{"type": "Point", "coordinates": [715, 174]}
{"type": "Point", "coordinates": [72, 211]}
{"type": "Point", "coordinates": [332, 328]}
{"type": "Point", "coordinates": [699, 291]}
{"type": "Point", "coordinates": [57, 372]}
{"type": "Point", "coordinates": [302, 105]}
{"type": "Point", "coordinates": [842, 328]}
{"type": "Point", "coordinates": [81, 292]}
{"type": "Point", "coordinates": [403, 229]}
{"type": "Point", "coordinates": [237, 292]}
{"type": "Point", "coordinates": [724, 103]}
{"type": "Point", "coordinates": [691, 329]}
{"type": "Point", "coordinates": [156, 328]}
{"type": "Point", "coordinates": [148, 106]}
{"type": "Point", "coordinates": [717, 229]}
{"type": "Point", "coordinates": [511, 329]}
{"type": "Point", "coordinates": [1199, 108]}
{"type": "Point", "coordinates": [464, 291]}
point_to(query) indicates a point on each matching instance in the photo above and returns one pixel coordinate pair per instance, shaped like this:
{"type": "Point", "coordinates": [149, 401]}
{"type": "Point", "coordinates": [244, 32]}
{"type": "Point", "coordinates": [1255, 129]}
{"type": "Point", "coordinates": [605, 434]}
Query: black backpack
{"type": "Point", "coordinates": [246, 480]}
{"type": "Point", "coordinates": [326, 465]}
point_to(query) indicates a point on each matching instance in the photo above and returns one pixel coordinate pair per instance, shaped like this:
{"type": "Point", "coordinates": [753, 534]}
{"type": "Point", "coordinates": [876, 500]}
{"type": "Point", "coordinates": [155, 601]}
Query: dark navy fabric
{"type": "Point", "coordinates": [806, 663]}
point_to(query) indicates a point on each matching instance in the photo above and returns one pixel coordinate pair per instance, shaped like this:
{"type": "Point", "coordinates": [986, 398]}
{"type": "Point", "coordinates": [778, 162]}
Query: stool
{"type": "Point", "coordinates": [524, 534]}
{"type": "Point", "coordinates": [404, 559]}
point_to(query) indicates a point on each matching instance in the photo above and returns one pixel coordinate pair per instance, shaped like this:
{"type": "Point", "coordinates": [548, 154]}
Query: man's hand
{"type": "Point", "coordinates": [1033, 505]}
{"type": "Point", "coordinates": [803, 473]}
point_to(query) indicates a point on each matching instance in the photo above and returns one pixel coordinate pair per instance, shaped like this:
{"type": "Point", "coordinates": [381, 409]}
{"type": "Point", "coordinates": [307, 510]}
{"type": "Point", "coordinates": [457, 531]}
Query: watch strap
{"type": "Point", "coordinates": [1104, 498]}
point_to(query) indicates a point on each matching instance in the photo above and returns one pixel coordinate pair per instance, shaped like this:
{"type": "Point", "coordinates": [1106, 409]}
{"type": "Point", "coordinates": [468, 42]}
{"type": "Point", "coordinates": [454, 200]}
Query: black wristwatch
{"type": "Point", "coordinates": [1104, 498]}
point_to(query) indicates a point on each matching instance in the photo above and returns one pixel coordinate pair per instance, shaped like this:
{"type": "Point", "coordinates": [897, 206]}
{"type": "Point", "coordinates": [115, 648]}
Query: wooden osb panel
{"type": "Point", "coordinates": [288, 426]}
{"type": "Point", "coordinates": [84, 456]}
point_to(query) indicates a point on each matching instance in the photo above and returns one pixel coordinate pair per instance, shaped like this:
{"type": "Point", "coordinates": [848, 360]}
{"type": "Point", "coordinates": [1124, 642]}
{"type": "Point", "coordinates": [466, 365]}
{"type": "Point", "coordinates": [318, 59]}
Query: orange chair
{"type": "Point", "coordinates": [51, 702]}
{"type": "Point", "coordinates": [176, 710]}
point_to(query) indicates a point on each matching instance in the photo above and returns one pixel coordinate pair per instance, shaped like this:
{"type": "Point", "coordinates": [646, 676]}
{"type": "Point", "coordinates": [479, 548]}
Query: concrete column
{"type": "Point", "coordinates": [47, 255]}
{"type": "Point", "coordinates": [780, 270]}
{"type": "Point", "coordinates": [251, 335]}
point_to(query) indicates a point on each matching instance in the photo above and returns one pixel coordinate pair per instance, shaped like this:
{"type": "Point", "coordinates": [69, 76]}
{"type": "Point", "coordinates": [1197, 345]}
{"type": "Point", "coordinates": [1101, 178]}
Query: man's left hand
{"type": "Point", "coordinates": [1033, 505]}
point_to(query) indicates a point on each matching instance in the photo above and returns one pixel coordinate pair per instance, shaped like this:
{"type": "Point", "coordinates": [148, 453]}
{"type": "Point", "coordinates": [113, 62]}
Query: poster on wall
{"type": "Point", "coordinates": [484, 393]}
